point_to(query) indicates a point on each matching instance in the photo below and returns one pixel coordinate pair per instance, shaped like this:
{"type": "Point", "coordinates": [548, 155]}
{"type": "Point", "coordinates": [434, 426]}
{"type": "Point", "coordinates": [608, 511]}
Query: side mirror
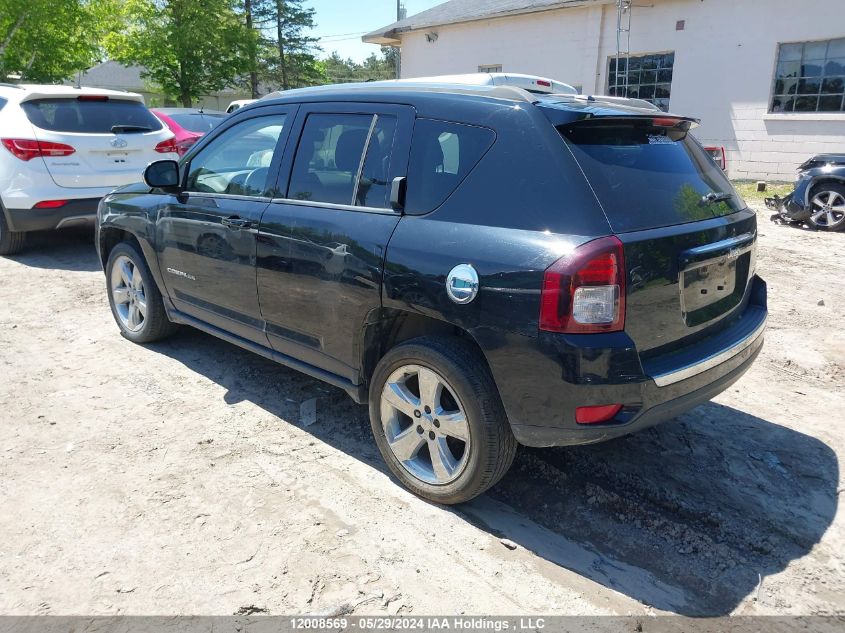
{"type": "Point", "coordinates": [397, 193]}
{"type": "Point", "coordinates": [163, 174]}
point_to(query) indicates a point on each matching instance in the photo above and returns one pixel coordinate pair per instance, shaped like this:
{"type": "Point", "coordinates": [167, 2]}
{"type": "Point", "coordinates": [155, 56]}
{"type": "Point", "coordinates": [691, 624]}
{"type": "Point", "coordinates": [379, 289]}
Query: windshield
{"type": "Point", "coordinates": [196, 122]}
{"type": "Point", "coordinates": [91, 116]}
{"type": "Point", "coordinates": [648, 176]}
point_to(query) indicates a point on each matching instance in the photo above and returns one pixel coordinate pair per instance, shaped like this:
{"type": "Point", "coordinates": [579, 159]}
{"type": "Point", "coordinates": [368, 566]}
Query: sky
{"type": "Point", "coordinates": [341, 23]}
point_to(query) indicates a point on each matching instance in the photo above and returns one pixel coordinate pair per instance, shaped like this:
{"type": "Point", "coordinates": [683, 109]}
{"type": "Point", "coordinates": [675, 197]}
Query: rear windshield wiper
{"type": "Point", "coordinates": [122, 128]}
{"type": "Point", "coordinates": [713, 197]}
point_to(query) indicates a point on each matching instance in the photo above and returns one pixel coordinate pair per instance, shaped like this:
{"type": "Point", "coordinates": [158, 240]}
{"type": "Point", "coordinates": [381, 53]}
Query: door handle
{"type": "Point", "coordinates": [235, 222]}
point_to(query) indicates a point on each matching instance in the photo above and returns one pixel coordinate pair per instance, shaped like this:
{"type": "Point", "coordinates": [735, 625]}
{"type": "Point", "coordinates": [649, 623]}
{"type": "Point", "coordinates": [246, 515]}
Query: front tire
{"type": "Point", "coordinates": [827, 202]}
{"type": "Point", "coordinates": [11, 242]}
{"type": "Point", "coordinates": [438, 420]}
{"type": "Point", "coordinates": [135, 300]}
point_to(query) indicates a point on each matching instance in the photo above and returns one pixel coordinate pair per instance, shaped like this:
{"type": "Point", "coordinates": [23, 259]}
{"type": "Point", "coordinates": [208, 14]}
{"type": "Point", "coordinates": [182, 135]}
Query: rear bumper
{"type": "Point", "coordinates": [541, 400]}
{"type": "Point", "coordinates": [794, 206]}
{"type": "Point", "coordinates": [74, 212]}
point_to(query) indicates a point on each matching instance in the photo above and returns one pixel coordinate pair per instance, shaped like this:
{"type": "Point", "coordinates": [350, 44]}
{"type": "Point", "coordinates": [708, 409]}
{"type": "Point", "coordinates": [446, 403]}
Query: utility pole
{"type": "Point", "coordinates": [400, 15]}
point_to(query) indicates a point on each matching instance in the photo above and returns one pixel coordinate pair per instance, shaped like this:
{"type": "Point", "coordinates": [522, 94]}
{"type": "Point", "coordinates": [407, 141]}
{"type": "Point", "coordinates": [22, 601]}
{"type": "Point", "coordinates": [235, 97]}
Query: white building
{"type": "Point", "coordinates": [766, 77]}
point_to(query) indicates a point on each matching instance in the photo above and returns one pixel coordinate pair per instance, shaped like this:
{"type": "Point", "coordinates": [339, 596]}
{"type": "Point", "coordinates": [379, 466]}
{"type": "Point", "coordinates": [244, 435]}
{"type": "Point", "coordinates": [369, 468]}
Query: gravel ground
{"type": "Point", "coordinates": [178, 478]}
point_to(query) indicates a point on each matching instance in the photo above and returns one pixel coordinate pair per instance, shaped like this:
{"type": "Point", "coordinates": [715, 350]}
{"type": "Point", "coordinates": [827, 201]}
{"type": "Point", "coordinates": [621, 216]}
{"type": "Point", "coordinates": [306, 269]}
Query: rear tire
{"type": "Point", "coordinates": [438, 420]}
{"type": "Point", "coordinates": [135, 300]}
{"type": "Point", "coordinates": [11, 242]}
{"type": "Point", "coordinates": [827, 202]}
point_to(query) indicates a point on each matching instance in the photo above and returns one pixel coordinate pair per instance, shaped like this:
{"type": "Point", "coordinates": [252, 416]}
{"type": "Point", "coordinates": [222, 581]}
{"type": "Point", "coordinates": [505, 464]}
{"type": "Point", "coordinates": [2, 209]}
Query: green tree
{"type": "Point", "coordinates": [50, 40]}
{"type": "Point", "coordinates": [289, 54]}
{"type": "Point", "coordinates": [188, 48]}
{"type": "Point", "coordinates": [374, 68]}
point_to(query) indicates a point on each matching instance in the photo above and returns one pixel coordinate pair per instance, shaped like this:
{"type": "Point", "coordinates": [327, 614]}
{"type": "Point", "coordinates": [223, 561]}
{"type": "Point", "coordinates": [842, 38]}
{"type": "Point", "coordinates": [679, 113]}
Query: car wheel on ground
{"type": "Point", "coordinates": [827, 204]}
{"type": "Point", "coordinates": [135, 301]}
{"type": "Point", "coordinates": [11, 242]}
{"type": "Point", "coordinates": [438, 420]}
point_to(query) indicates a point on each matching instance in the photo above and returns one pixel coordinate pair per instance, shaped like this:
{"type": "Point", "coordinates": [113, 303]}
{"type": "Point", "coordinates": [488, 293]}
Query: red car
{"type": "Point", "coordinates": [188, 124]}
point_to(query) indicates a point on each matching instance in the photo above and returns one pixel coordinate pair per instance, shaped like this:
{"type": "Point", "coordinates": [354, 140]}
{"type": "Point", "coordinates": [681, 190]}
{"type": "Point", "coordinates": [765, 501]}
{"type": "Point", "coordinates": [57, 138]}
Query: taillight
{"type": "Point", "coordinates": [167, 147]}
{"type": "Point", "coordinates": [718, 154]}
{"type": "Point", "coordinates": [585, 290]}
{"type": "Point", "coordinates": [50, 204]}
{"type": "Point", "coordinates": [185, 144]}
{"type": "Point", "coordinates": [27, 149]}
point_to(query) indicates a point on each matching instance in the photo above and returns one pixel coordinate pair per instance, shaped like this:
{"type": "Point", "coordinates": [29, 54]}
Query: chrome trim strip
{"type": "Point", "coordinates": [332, 205]}
{"type": "Point", "coordinates": [662, 380]}
{"type": "Point", "coordinates": [88, 217]}
{"type": "Point", "coordinates": [727, 244]}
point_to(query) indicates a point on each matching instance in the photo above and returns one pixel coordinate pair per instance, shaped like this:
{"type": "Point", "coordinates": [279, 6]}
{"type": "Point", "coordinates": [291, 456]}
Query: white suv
{"type": "Point", "coordinates": [62, 149]}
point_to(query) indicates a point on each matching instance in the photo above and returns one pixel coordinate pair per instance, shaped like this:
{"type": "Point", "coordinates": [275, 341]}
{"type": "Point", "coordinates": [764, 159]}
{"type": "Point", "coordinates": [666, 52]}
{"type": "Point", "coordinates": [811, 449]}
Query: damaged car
{"type": "Point", "coordinates": [819, 196]}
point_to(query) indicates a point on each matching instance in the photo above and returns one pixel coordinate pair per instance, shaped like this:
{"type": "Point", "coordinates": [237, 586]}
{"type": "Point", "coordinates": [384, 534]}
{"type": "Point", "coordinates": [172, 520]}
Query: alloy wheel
{"type": "Point", "coordinates": [127, 289]}
{"type": "Point", "coordinates": [425, 424]}
{"type": "Point", "coordinates": [828, 209]}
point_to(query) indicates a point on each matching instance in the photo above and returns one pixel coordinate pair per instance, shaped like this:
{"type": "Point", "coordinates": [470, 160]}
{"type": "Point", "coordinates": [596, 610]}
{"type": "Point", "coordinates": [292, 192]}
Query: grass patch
{"type": "Point", "coordinates": [748, 190]}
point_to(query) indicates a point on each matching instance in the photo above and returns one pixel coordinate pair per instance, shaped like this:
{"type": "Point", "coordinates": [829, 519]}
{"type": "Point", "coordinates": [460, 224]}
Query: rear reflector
{"type": "Point", "coordinates": [585, 291]}
{"type": "Point", "coordinates": [50, 204]}
{"type": "Point", "coordinates": [167, 147]}
{"type": "Point", "coordinates": [27, 149]}
{"type": "Point", "coordinates": [594, 415]}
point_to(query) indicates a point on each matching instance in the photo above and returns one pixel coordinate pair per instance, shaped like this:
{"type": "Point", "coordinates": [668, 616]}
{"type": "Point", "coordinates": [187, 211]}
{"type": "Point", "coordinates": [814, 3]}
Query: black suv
{"type": "Point", "coordinates": [483, 266]}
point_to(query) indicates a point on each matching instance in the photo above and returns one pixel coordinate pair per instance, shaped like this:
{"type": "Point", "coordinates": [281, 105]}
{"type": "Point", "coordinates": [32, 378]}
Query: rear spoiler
{"type": "Point", "coordinates": [565, 111]}
{"type": "Point", "coordinates": [75, 93]}
{"type": "Point", "coordinates": [599, 115]}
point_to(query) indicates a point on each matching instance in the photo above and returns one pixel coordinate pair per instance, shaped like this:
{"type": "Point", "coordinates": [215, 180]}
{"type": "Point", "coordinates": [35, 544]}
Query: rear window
{"type": "Point", "coordinates": [200, 123]}
{"type": "Point", "coordinates": [647, 176]}
{"type": "Point", "coordinates": [442, 154]}
{"type": "Point", "coordinates": [90, 116]}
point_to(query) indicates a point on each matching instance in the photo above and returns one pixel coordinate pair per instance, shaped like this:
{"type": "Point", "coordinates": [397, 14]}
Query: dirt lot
{"type": "Point", "coordinates": [177, 478]}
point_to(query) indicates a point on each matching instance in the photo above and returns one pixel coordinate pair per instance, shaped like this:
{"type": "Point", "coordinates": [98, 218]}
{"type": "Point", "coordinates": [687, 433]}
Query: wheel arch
{"type": "Point", "coordinates": [388, 327]}
{"type": "Point", "coordinates": [110, 235]}
{"type": "Point", "coordinates": [820, 181]}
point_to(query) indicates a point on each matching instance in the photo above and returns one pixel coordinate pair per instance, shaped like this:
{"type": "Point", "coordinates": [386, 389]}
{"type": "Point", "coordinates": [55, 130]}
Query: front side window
{"type": "Point", "coordinates": [90, 115]}
{"type": "Point", "coordinates": [238, 161]}
{"type": "Point", "coordinates": [810, 77]}
{"type": "Point", "coordinates": [647, 77]}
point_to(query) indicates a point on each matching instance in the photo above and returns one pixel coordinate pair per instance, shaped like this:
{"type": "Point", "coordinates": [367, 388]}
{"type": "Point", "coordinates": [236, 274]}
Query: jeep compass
{"type": "Point", "coordinates": [483, 266]}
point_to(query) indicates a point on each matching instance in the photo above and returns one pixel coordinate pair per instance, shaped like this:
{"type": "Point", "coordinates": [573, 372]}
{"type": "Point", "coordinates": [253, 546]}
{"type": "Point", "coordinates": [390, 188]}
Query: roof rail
{"type": "Point", "coordinates": [512, 93]}
{"type": "Point", "coordinates": [8, 85]}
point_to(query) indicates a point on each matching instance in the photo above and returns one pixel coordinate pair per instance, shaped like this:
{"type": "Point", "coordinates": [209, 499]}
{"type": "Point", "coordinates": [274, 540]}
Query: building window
{"type": "Point", "coordinates": [492, 68]}
{"type": "Point", "coordinates": [810, 77]}
{"type": "Point", "coordinates": [649, 77]}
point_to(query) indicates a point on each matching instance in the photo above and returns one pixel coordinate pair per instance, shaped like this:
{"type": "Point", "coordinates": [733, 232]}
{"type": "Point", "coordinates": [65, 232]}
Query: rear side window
{"type": "Point", "coordinates": [200, 123]}
{"type": "Point", "coordinates": [331, 164]}
{"type": "Point", "coordinates": [2, 102]}
{"type": "Point", "coordinates": [90, 116]}
{"type": "Point", "coordinates": [442, 154]}
{"type": "Point", "coordinates": [373, 186]}
{"type": "Point", "coordinates": [647, 176]}
{"type": "Point", "coordinates": [328, 157]}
